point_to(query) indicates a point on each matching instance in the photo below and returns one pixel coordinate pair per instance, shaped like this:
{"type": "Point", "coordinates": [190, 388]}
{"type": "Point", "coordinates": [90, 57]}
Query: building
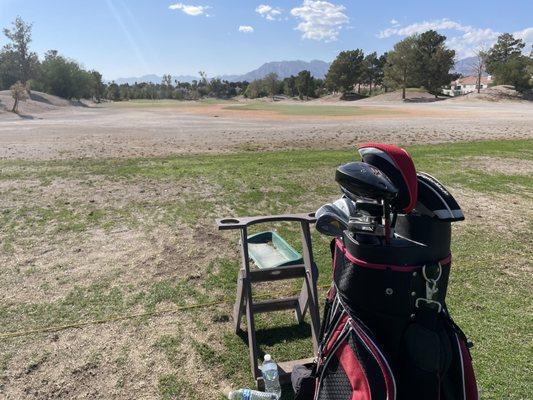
{"type": "Point", "coordinates": [465, 85]}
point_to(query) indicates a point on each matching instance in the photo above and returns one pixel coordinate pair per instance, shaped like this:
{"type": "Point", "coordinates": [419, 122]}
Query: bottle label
{"type": "Point", "coordinates": [246, 394]}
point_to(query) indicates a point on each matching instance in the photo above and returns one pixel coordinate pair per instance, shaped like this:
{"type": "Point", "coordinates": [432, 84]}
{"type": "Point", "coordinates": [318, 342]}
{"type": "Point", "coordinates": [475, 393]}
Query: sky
{"type": "Point", "coordinates": [126, 38]}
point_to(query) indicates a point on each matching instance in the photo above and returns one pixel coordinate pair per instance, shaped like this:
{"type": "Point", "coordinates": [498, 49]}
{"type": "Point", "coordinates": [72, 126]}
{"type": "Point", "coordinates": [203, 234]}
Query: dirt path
{"type": "Point", "coordinates": [111, 131]}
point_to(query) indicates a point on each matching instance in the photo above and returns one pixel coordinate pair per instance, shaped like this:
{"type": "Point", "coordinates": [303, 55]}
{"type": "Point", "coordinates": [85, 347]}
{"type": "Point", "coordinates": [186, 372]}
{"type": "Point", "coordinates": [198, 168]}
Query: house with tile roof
{"type": "Point", "coordinates": [467, 84]}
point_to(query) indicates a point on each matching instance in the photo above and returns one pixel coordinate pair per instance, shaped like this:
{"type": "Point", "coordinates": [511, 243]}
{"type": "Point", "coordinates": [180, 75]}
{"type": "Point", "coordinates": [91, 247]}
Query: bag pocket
{"type": "Point", "coordinates": [303, 382]}
{"type": "Point", "coordinates": [460, 380]}
{"type": "Point", "coordinates": [355, 367]}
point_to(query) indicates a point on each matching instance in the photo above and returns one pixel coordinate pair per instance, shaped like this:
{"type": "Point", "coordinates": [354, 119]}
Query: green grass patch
{"type": "Point", "coordinates": [313, 110]}
{"type": "Point", "coordinates": [170, 346]}
{"type": "Point", "coordinates": [98, 300]}
{"type": "Point", "coordinates": [207, 353]}
{"type": "Point", "coordinates": [171, 387]}
{"type": "Point", "coordinates": [165, 103]}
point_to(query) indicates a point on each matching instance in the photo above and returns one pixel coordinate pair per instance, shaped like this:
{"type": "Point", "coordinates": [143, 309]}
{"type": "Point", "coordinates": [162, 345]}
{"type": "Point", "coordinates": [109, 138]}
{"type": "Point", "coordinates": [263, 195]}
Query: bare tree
{"type": "Point", "coordinates": [478, 66]}
{"type": "Point", "coordinates": [19, 92]}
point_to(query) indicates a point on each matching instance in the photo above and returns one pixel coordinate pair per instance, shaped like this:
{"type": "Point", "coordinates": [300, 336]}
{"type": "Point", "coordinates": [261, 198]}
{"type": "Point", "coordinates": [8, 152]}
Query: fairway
{"type": "Point", "coordinates": [144, 103]}
{"type": "Point", "coordinates": [313, 110]}
{"type": "Point", "coordinates": [113, 246]}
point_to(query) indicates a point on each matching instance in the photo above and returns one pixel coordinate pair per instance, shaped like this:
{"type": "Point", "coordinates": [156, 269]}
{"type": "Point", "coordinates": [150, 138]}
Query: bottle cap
{"type": "Point", "coordinates": [268, 357]}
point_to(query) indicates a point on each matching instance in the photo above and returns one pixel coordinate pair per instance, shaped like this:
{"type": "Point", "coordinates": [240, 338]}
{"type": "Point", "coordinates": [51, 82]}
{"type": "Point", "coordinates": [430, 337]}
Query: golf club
{"type": "Point", "coordinates": [435, 200]}
{"type": "Point", "coordinates": [363, 182]}
{"type": "Point", "coordinates": [360, 180]}
{"type": "Point", "coordinates": [331, 220]}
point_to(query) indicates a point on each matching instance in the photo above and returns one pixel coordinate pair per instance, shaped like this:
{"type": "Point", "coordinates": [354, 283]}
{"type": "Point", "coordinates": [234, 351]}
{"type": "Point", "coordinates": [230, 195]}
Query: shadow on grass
{"type": "Point", "coordinates": [278, 334]}
{"type": "Point", "coordinates": [286, 334]}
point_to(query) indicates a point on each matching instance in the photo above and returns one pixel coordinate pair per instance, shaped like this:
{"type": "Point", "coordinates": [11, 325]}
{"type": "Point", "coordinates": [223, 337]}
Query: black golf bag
{"type": "Point", "coordinates": [386, 331]}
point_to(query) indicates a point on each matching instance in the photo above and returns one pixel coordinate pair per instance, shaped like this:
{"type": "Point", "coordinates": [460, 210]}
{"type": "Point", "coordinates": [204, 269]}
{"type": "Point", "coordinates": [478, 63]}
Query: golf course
{"type": "Point", "coordinates": [289, 200]}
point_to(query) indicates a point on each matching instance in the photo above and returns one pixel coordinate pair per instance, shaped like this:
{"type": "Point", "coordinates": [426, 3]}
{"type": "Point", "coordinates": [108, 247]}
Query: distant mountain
{"type": "Point", "coordinates": [283, 69]}
{"type": "Point", "coordinates": [465, 66]}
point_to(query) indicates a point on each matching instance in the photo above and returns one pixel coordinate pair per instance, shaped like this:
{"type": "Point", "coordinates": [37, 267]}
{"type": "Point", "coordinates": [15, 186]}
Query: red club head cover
{"type": "Point", "coordinates": [397, 164]}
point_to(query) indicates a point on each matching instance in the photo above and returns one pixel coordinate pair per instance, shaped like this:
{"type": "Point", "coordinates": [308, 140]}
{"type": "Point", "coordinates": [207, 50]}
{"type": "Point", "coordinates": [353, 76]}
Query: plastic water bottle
{"type": "Point", "coordinates": [270, 373]}
{"type": "Point", "coordinates": [249, 394]}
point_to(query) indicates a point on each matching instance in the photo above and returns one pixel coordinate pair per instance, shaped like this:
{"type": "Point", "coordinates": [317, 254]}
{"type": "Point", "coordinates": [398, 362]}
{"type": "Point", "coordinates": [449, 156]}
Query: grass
{"type": "Point", "coordinates": [489, 293]}
{"type": "Point", "coordinates": [312, 110]}
{"type": "Point", "coordinates": [141, 103]}
{"type": "Point", "coordinates": [171, 387]}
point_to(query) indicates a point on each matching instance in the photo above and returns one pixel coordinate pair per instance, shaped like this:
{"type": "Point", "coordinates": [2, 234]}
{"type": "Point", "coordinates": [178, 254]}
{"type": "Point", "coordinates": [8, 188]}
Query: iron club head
{"type": "Point", "coordinates": [331, 220]}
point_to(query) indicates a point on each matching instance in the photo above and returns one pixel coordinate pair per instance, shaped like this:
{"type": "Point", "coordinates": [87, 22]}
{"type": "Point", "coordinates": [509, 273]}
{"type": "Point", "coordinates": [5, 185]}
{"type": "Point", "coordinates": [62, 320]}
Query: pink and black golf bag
{"type": "Point", "coordinates": [386, 330]}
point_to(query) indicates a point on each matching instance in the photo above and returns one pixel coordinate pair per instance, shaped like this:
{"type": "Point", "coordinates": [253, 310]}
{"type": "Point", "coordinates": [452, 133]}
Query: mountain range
{"type": "Point", "coordinates": [283, 69]}
{"type": "Point", "coordinates": [465, 66]}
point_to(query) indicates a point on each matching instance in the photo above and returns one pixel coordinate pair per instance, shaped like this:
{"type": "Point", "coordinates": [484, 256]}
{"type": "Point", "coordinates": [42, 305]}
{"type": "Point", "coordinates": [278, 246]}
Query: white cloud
{"type": "Point", "coordinates": [465, 43]}
{"type": "Point", "coordinates": [269, 12]}
{"type": "Point", "coordinates": [394, 22]}
{"type": "Point", "coordinates": [321, 20]}
{"type": "Point", "coordinates": [420, 27]}
{"type": "Point", "coordinates": [190, 9]}
{"type": "Point", "coordinates": [526, 35]}
{"type": "Point", "coordinates": [246, 29]}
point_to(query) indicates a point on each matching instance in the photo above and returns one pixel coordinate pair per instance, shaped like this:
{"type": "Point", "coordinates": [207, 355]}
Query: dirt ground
{"type": "Point", "coordinates": [181, 128]}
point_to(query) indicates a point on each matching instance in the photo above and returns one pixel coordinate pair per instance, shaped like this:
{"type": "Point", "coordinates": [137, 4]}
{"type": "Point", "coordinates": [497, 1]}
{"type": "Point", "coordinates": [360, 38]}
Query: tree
{"type": "Point", "coordinates": [124, 92]}
{"type": "Point", "coordinates": [433, 61]}
{"type": "Point", "coordinates": [508, 65]}
{"type": "Point", "coordinates": [517, 72]}
{"type": "Point", "coordinates": [97, 86]}
{"type": "Point", "coordinates": [202, 86]}
{"type": "Point", "coordinates": [506, 48]}
{"type": "Point", "coordinates": [203, 78]}
{"type": "Point", "coordinates": [345, 71]}
{"type": "Point", "coordinates": [65, 78]}
{"type": "Point", "coordinates": [380, 71]}
{"type": "Point", "coordinates": [373, 70]}
{"type": "Point", "coordinates": [167, 87]}
{"type": "Point", "coordinates": [289, 86]}
{"type": "Point", "coordinates": [304, 84]}
{"type": "Point", "coordinates": [19, 92]}
{"type": "Point", "coordinates": [400, 64]}
{"type": "Point", "coordinates": [271, 84]}
{"type": "Point", "coordinates": [478, 66]}
{"type": "Point", "coordinates": [26, 61]}
{"type": "Point", "coordinates": [218, 88]}
{"type": "Point", "coordinates": [530, 67]}
{"type": "Point", "coordinates": [255, 89]}
{"type": "Point", "coordinates": [113, 92]}
{"type": "Point", "coordinates": [9, 69]}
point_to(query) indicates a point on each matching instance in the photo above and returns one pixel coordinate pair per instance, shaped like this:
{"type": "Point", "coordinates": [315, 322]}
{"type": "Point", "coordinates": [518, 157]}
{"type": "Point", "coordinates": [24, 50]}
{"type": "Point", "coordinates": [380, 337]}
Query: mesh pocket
{"type": "Point", "coordinates": [354, 367]}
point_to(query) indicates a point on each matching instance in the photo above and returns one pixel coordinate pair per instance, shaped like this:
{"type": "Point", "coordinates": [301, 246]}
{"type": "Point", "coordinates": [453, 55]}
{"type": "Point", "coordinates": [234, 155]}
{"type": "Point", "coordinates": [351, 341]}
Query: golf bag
{"type": "Point", "coordinates": [386, 331]}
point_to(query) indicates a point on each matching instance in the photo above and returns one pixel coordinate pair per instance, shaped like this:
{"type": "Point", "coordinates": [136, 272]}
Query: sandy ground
{"type": "Point", "coordinates": [181, 128]}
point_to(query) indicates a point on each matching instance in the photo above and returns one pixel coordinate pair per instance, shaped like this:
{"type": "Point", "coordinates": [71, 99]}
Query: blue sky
{"type": "Point", "coordinates": [124, 38]}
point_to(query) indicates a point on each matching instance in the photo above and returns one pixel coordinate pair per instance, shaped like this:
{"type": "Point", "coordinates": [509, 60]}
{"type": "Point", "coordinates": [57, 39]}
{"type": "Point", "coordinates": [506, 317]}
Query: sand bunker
{"type": "Point", "coordinates": [496, 94]}
{"type": "Point", "coordinates": [37, 103]}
